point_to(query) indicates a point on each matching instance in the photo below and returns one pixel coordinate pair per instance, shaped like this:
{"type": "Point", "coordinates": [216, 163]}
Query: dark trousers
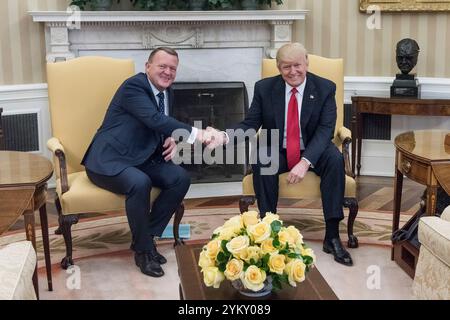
{"type": "Point", "coordinates": [330, 169]}
{"type": "Point", "coordinates": [136, 183]}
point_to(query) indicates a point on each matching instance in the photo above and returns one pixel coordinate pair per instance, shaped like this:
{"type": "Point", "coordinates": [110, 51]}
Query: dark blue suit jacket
{"type": "Point", "coordinates": [318, 114]}
{"type": "Point", "coordinates": [131, 130]}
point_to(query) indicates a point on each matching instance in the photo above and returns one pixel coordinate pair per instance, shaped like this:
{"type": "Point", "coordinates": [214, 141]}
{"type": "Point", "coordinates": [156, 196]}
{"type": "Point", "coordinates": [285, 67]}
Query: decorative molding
{"type": "Point", "coordinates": [117, 30]}
{"type": "Point", "coordinates": [170, 16]}
{"type": "Point", "coordinates": [190, 37]}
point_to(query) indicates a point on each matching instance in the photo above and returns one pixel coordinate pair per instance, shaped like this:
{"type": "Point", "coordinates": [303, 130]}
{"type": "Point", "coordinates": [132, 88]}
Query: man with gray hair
{"type": "Point", "coordinates": [301, 106]}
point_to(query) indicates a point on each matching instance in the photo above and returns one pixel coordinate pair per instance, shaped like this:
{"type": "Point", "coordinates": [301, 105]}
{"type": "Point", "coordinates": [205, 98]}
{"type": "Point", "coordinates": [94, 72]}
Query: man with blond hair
{"type": "Point", "coordinates": [301, 107]}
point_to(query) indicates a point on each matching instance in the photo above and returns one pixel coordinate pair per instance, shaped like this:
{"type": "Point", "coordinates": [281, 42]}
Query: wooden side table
{"type": "Point", "coordinates": [385, 105]}
{"type": "Point", "coordinates": [422, 156]}
{"type": "Point", "coordinates": [23, 190]}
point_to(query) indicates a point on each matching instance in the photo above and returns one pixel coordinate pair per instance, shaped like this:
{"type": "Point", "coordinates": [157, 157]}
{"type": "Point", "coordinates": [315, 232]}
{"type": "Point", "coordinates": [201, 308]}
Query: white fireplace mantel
{"type": "Point", "coordinates": [69, 32]}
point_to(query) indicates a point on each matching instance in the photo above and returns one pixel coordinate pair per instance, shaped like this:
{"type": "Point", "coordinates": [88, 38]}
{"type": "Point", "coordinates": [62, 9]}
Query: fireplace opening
{"type": "Point", "coordinates": [220, 105]}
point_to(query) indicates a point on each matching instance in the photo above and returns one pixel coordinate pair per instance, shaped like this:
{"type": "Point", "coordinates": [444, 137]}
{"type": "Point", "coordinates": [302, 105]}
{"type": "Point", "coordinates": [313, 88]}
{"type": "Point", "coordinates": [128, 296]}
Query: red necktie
{"type": "Point", "coordinates": [293, 132]}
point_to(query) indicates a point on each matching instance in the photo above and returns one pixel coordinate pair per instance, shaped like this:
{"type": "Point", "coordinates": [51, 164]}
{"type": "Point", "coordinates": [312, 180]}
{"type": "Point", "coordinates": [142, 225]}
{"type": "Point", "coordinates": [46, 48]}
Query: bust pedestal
{"type": "Point", "coordinates": [405, 85]}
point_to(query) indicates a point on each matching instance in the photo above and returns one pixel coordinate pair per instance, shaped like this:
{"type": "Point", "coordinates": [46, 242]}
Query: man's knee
{"type": "Point", "coordinates": [185, 178]}
{"type": "Point", "coordinates": [142, 183]}
{"type": "Point", "coordinates": [334, 158]}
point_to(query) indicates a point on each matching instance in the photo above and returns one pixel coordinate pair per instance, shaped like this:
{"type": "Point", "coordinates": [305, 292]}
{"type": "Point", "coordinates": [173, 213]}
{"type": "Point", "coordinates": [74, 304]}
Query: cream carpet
{"type": "Point", "coordinates": [115, 276]}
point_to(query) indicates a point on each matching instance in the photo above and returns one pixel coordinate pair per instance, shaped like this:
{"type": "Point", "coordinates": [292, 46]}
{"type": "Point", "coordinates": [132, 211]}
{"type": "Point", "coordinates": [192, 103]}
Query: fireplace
{"type": "Point", "coordinates": [217, 104]}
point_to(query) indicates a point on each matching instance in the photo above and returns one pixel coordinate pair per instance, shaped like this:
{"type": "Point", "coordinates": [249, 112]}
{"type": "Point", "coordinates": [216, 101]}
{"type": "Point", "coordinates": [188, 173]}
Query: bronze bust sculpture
{"type": "Point", "coordinates": [405, 84]}
{"type": "Point", "coordinates": [407, 53]}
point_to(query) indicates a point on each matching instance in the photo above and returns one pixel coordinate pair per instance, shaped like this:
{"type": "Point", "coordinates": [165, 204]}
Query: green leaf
{"type": "Point", "coordinates": [222, 267]}
{"type": "Point", "coordinates": [223, 245]}
{"type": "Point", "coordinates": [276, 242]}
{"type": "Point", "coordinates": [222, 257]}
{"type": "Point", "coordinates": [293, 255]}
{"type": "Point", "coordinates": [276, 226]}
{"type": "Point", "coordinates": [307, 260]}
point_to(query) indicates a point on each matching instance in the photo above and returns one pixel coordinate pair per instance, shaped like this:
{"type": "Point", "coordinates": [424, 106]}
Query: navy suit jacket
{"type": "Point", "coordinates": [131, 130]}
{"type": "Point", "coordinates": [317, 118]}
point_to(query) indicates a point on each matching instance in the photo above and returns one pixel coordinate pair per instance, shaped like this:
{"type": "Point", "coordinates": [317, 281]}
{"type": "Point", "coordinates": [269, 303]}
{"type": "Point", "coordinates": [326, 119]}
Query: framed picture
{"type": "Point", "coordinates": [406, 5]}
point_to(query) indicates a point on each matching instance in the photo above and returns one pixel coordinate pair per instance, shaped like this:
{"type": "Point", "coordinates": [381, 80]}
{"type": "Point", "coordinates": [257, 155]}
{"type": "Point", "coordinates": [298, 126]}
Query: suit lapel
{"type": "Point", "coordinates": [278, 103]}
{"type": "Point", "coordinates": [308, 103]}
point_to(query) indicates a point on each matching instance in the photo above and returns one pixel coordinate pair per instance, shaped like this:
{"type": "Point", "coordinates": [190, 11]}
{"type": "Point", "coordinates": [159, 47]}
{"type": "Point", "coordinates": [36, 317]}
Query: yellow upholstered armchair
{"type": "Point", "coordinates": [80, 91]}
{"type": "Point", "coordinates": [309, 188]}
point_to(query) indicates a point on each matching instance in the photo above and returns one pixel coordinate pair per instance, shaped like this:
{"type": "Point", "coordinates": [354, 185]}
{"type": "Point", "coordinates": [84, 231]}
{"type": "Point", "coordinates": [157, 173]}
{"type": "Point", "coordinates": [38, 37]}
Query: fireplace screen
{"type": "Point", "coordinates": [220, 105]}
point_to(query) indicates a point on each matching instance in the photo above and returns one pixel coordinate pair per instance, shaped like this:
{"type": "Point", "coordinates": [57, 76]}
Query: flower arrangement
{"type": "Point", "coordinates": [251, 250]}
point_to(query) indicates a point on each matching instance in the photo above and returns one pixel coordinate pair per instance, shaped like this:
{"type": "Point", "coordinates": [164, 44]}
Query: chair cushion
{"type": "Point", "coordinates": [308, 188]}
{"type": "Point", "coordinates": [84, 197]}
{"type": "Point", "coordinates": [434, 234]}
{"type": "Point", "coordinates": [17, 264]}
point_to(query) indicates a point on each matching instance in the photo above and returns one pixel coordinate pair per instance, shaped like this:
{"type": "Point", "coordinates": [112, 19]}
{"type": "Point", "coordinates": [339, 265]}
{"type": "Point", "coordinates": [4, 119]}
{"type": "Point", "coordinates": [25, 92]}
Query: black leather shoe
{"type": "Point", "coordinates": [156, 255]}
{"type": "Point", "coordinates": [335, 247]}
{"type": "Point", "coordinates": [148, 265]}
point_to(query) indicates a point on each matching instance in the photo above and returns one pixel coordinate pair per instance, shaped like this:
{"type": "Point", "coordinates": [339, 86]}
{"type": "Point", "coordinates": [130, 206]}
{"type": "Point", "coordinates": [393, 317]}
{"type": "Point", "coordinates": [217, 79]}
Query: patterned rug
{"type": "Point", "coordinates": [102, 235]}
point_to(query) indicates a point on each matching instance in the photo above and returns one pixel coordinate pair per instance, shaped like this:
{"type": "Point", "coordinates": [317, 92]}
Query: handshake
{"type": "Point", "coordinates": [212, 138]}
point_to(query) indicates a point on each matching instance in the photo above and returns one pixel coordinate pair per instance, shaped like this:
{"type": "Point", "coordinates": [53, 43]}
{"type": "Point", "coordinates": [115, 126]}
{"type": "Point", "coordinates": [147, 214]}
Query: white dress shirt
{"type": "Point", "coordinates": [155, 91]}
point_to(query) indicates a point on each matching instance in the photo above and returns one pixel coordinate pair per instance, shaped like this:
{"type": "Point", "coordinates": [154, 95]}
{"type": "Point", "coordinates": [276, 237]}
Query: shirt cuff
{"type": "Point", "coordinates": [192, 136]}
{"type": "Point", "coordinates": [308, 162]}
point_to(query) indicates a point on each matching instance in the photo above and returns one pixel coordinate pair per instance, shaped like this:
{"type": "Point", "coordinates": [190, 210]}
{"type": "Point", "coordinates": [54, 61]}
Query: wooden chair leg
{"type": "Point", "coordinates": [59, 209]}
{"type": "Point", "coordinates": [245, 202]}
{"type": "Point", "coordinates": [176, 225]}
{"type": "Point", "coordinates": [46, 243]}
{"type": "Point", "coordinates": [352, 205]}
{"type": "Point", "coordinates": [65, 225]}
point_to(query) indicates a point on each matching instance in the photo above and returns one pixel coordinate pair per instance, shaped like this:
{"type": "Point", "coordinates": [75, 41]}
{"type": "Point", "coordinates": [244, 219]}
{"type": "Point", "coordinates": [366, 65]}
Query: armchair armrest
{"type": "Point", "coordinates": [344, 138]}
{"type": "Point", "coordinates": [446, 214]}
{"type": "Point", "coordinates": [55, 146]}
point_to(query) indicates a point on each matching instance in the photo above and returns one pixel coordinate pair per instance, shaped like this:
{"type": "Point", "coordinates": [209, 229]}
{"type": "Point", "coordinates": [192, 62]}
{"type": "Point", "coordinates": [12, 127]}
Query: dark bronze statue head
{"type": "Point", "coordinates": [406, 54]}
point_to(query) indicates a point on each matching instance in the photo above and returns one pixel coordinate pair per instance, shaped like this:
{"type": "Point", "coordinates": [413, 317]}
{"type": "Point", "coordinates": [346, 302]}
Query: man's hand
{"type": "Point", "coordinates": [170, 149]}
{"type": "Point", "coordinates": [214, 138]}
{"type": "Point", "coordinates": [298, 172]}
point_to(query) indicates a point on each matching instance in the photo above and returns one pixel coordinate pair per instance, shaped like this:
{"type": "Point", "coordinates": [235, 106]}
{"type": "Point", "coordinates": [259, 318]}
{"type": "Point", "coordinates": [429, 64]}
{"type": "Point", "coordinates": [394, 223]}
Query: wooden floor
{"type": "Point", "coordinates": [374, 193]}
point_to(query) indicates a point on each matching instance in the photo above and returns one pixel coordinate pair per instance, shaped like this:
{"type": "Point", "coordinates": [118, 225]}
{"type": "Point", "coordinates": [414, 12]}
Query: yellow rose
{"type": "Point", "coordinates": [295, 235]}
{"type": "Point", "coordinates": [270, 217]}
{"type": "Point", "coordinates": [226, 233]}
{"type": "Point", "coordinates": [212, 277]}
{"type": "Point", "coordinates": [236, 223]}
{"type": "Point", "coordinates": [252, 252]}
{"type": "Point", "coordinates": [236, 245]}
{"type": "Point", "coordinates": [205, 261]}
{"type": "Point", "coordinates": [295, 270]}
{"type": "Point", "coordinates": [254, 278]}
{"type": "Point", "coordinates": [276, 263]}
{"type": "Point", "coordinates": [217, 230]}
{"type": "Point", "coordinates": [213, 248]}
{"type": "Point", "coordinates": [234, 269]}
{"type": "Point", "coordinates": [259, 232]}
{"type": "Point", "coordinates": [284, 237]}
{"type": "Point", "coordinates": [250, 218]}
{"type": "Point", "coordinates": [308, 252]}
{"type": "Point", "coordinates": [267, 246]}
